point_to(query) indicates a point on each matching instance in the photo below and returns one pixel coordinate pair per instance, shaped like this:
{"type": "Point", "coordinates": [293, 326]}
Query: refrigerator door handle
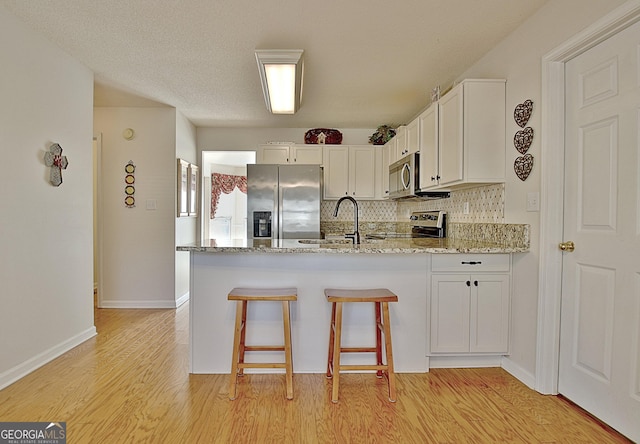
{"type": "Point", "coordinates": [278, 193]}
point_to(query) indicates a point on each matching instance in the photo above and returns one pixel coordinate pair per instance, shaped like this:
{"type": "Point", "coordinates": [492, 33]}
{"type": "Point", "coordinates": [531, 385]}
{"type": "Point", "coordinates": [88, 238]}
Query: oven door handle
{"type": "Point", "coordinates": [406, 174]}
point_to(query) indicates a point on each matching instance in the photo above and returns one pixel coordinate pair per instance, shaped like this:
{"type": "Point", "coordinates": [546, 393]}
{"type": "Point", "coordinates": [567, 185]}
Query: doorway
{"type": "Point", "coordinates": [230, 217]}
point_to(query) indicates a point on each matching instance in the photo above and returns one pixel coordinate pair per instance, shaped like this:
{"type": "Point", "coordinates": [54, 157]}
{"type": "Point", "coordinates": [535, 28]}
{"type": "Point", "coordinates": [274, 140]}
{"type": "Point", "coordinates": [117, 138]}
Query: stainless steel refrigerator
{"type": "Point", "coordinates": [283, 201]}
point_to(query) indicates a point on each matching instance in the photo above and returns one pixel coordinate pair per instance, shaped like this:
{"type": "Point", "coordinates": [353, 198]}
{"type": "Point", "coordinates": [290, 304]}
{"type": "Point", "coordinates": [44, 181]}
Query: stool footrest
{"type": "Point", "coordinates": [262, 365]}
{"type": "Point", "coordinates": [264, 348]}
{"type": "Point", "coordinates": [363, 367]}
{"type": "Point", "coordinates": [358, 349]}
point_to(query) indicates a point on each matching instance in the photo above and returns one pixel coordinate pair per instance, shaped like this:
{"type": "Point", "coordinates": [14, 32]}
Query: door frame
{"type": "Point", "coordinates": [552, 186]}
{"type": "Point", "coordinates": [98, 241]}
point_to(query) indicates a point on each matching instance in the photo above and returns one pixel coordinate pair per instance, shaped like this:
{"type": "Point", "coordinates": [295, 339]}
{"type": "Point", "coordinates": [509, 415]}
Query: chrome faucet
{"type": "Point", "coordinates": [355, 236]}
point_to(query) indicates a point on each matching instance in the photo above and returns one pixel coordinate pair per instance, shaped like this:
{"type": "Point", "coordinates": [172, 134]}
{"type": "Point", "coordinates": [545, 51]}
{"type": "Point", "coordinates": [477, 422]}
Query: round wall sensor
{"type": "Point", "coordinates": [128, 133]}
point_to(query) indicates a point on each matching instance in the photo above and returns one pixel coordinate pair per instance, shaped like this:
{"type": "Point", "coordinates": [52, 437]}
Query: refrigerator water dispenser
{"type": "Point", "coordinates": [262, 224]}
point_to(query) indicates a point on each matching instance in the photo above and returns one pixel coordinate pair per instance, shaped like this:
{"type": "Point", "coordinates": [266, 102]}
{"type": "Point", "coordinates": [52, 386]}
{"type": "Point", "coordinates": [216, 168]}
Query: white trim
{"type": "Point", "coordinates": [464, 361]}
{"type": "Point", "coordinates": [138, 304]}
{"type": "Point", "coordinates": [182, 299]}
{"type": "Point", "coordinates": [552, 186]}
{"type": "Point", "coordinates": [99, 222]}
{"type": "Point", "coordinates": [21, 370]}
{"type": "Point", "coordinates": [518, 372]}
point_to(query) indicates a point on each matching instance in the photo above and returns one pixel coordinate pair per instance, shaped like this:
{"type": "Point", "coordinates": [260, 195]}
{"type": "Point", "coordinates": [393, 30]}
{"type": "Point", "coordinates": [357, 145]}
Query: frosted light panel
{"type": "Point", "coordinates": [281, 80]}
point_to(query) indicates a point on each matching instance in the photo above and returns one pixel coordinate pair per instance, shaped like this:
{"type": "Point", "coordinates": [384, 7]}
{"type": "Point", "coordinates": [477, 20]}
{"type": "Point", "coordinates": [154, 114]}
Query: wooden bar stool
{"type": "Point", "coordinates": [381, 298]}
{"type": "Point", "coordinates": [243, 296]}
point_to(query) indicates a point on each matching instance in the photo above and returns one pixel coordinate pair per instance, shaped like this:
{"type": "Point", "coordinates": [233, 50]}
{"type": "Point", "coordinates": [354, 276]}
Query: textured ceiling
{"type": "Point", "coordinates": [367, 62]}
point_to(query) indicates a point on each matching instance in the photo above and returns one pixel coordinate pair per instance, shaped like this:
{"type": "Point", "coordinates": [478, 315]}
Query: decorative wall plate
{"type": "Point", "coordinates": [523, 166]}
{"type": "Point", "coordinates": [130, 168]}
{"type": "Point", "coordinates": [129, 190]}
{"type": "Point", "coordinates": [323, 135]}
{"type": "Point", "coordinates": [522, 113]}
{"type": "Point", "coordinates": [129, 178]}
{"type": "Point", "coordinates": [129, 201]}
{"type": "Point", "coordinates": [522, 140]}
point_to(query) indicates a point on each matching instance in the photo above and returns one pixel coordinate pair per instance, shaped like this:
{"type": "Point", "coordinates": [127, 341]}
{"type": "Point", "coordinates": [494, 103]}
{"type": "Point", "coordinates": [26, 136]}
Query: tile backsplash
{"type": "Point", "coordinates": [486, 205]}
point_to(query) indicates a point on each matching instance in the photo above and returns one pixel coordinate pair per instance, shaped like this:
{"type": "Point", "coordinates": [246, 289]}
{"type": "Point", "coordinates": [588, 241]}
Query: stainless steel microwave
{"type": "Point", "coordinates": [404, 177]}
{"type": "Point", "coordinates": [404, 180]}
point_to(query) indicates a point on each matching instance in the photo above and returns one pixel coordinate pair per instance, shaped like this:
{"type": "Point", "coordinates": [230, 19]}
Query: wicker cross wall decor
{"type": "Point", "coordinates": [57, 162]}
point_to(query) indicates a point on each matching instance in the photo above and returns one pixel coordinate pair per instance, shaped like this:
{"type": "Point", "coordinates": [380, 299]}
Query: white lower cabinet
{"type": "Point", "coordinates": [469, 304]}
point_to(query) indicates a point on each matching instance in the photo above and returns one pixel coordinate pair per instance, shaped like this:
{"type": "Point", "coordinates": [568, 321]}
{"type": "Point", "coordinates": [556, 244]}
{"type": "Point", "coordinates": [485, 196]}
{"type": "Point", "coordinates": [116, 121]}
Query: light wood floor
{"type": "Point", "coordinates": [130, 384]}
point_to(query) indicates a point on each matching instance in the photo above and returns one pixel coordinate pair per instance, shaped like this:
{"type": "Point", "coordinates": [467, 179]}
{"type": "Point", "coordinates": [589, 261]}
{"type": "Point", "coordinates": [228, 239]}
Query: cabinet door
{"type": "Point", "coordinates": [429, 147]}
{"type": "Point", "coordinates": [384, 173]}
{"type": "Point", "coordinates": [449, 314]}
{"type": "Point", "coordinates": [336, 171]}
{"type": "Point", "coordinates": [307, 154]}
{"type": "Point", "coordinates": [413, 137]}
{"type": "Point", "coordinates": [489, 323]}
{"type": "Point", "coordinates": [273, 154]}
{"type": "Point", "coordinates": [362, 172]}
{"type": "Point", "coordinates": [401, 143]}
{"type": "Point", "coordinates": [450, 132]}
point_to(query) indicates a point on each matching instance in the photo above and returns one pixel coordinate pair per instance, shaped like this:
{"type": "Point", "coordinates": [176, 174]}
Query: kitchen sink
{"type": "Point", "coordinates": [325, 241]}
{"type": "Point", "coordinates": [338, 241]}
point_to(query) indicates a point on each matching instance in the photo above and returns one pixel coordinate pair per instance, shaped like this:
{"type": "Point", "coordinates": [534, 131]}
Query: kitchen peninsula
{"type": "Point", "coordinates": [403, 265]}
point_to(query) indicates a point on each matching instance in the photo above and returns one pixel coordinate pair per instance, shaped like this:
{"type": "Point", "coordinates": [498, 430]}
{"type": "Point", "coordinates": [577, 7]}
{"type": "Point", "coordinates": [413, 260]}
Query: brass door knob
{"type": "Point", "coordinates": [568, 246]}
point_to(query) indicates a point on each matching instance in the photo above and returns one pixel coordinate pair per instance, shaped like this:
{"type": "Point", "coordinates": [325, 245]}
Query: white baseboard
{"type": "Point", "coordinates": [21, 370]}
{"type": "Point", "coordinates": [464, 361]}
{"type": "Point", "coordinates": [137, 304]}
{"type": "Point", "coordinates": [519, 373]}
{"type": "Point", "coordinates": [182, 299]}
{"type": "Point", "coordinates": [145, 304]}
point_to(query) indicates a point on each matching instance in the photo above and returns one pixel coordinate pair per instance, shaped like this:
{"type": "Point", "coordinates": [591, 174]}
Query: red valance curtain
{"type": "Point", "coordinates": [225, 183]}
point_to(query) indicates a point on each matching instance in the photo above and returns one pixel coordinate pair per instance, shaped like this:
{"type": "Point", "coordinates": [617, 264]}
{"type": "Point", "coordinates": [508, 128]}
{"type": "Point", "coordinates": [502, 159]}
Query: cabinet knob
{"type": "Point", "coordinates": [475, 283]}
{"type": "Point", "coordinates": [468, 283]}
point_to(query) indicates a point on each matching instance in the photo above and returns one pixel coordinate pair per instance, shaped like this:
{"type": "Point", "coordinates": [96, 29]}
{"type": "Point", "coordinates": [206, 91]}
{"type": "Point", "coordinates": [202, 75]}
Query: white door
{"type": "Point", "coordinates": [600, 309]}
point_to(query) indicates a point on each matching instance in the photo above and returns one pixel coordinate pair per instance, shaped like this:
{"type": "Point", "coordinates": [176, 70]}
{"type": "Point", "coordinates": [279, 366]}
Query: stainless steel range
{"type": "Point", "coordinates": [428, 224]}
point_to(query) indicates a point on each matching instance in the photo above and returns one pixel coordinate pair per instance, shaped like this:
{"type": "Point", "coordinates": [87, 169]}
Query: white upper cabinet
{"type": "Point", "coordinates": [350, 171]}
{"type": "Point", "coordinates": [275, 154]}
{"type": "Point", "coordinates": [282, 153]}
{"type": "Point", "coordinates": [413, 137]}
{"type": "Point", "coordinates": [399, 144]}
{"type": "Point", "coordinates": [428, 142]}
{"type": "Point", "coordinates": [471, 133]}
{"type": "Point", "coordinates": [307, 154]}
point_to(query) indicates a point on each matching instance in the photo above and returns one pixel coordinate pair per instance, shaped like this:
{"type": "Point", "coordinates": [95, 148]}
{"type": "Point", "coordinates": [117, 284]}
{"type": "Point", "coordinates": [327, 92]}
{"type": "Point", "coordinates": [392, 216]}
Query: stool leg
{"type": "Point", "coordinates": [332, 337]}
{"type": "Point", "coordinates": [236, 351]}
{"type": "Point", "coordinates": [243, 335]}
{"type": "Point", "coordinates": [286, 320]}
{"type": "Point", "coordinates": [378, 338]}
{"type": "Point", "coordinates": [387, 346]}
{"type": "Point", "coordinates": [336, 352]}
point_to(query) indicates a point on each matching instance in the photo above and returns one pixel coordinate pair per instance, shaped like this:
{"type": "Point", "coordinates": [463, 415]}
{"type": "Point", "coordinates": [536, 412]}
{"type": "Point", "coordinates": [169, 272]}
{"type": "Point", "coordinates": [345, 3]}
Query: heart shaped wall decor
{"type": "Point", "coordinates": [522, 113]}
{"type": "Point", "coordinates": [522, 140]}
{"type": "Point", "coordinates": [523, 166]}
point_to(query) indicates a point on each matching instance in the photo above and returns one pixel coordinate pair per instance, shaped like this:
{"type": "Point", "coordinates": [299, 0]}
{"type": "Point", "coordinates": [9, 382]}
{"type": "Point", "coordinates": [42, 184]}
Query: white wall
{"type": "Point", "coordinates": [46, 236]}
{"type": "Point", "coordinates": [518, 59]}
{"type": "Point", "coordinates": [186, 228]}
{"type": "Point", "coordinates": [233, 139]}
{"type": "Point", "coordinates": [138, 253]}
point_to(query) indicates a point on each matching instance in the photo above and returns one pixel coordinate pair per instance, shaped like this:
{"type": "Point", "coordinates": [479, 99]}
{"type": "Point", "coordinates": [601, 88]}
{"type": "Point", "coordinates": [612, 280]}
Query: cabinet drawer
{"type": "Point", "coordinates": [470, 263]}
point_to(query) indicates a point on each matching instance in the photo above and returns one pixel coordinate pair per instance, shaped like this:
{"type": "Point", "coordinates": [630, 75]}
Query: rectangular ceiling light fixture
{"type": "Point", "coordinates": [281, 77]}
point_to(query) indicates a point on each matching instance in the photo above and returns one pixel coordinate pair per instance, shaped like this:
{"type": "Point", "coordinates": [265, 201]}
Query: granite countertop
{"type": "Point", "coordinates": [341, 246]}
